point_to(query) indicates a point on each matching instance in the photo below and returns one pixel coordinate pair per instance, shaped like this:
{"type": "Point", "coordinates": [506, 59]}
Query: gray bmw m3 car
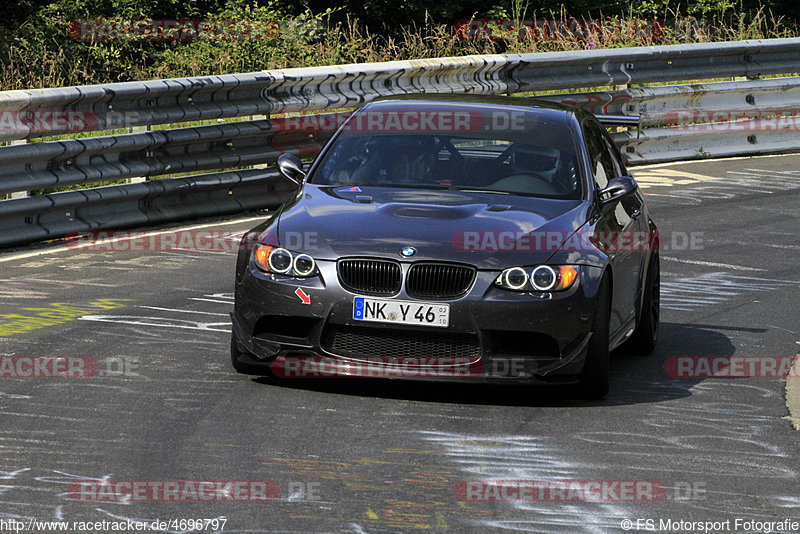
{"type": "Point", "coordinates": [493, 239]}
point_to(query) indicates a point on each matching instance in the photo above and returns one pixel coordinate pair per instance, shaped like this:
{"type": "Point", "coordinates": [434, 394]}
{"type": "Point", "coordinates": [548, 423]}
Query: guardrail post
{"type": "Point", "coordinates": [623, 87]}
{"type": "Point", "coordinates": [19, 194]}
{"type": "Point", "coordinates": [139, 129]}
{"type": "Point", "coordinates": [260, 118]}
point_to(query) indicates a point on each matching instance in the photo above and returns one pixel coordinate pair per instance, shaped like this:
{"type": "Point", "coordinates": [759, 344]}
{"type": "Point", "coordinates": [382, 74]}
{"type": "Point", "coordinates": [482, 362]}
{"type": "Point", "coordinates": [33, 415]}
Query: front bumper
{"type": "Point", "coordinates": [496, 335]}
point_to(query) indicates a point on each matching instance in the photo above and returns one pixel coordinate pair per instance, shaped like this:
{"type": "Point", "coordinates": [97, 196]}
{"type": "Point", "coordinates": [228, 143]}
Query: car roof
{"type": "Point", "coordinates": [552, 112]}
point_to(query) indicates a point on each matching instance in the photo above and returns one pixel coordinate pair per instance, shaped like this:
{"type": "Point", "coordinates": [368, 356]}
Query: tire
{"type": "Point", "coordinates": [643, 340]}
{"type": "Point", "coordinates": [244, 367]}
{"type": "Point", "coordinates": [594, 377]}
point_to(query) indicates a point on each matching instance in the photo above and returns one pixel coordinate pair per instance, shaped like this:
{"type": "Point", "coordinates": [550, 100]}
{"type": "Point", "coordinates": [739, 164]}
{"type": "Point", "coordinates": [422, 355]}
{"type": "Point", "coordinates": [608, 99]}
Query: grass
{"type": "Point", "coordinates": [69, 63]}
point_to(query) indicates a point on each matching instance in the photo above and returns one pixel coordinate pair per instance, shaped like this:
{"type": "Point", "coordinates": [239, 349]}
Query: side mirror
{"type": "Point", "coordinates": [291, 167]}
{"type": "Point", "coordinates": [617, 189]}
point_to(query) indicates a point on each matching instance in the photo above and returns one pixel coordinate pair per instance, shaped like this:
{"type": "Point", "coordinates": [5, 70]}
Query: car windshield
{"type": "Point", "coordinates": [537, 161]}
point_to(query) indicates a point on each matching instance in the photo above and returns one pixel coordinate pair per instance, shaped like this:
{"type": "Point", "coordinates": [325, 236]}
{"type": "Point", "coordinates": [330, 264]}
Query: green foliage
{"type": "Point", "coordinates": [37, 51]}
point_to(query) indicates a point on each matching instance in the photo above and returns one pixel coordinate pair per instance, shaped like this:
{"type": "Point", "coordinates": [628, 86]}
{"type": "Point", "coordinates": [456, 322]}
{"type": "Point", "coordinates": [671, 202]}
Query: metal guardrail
{"type": "Point", "coordinates": [336, 87]}
{"type": "Point", "coordinates": [127, 206]}
{"type": "Point", "coordinates": [659, 106]}
{"type": "Point", "coordinates": [702, 120]}
{"type": "Point", "coordinates": [83, 161]}
{"type": "Point", "coordinates": [224, 146]}
{"type": "Point", "coordinates": [709, 140]}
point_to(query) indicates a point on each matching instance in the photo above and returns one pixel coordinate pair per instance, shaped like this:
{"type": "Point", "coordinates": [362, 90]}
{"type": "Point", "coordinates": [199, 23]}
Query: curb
{"type": "Point", "coordinates": [793, 394]}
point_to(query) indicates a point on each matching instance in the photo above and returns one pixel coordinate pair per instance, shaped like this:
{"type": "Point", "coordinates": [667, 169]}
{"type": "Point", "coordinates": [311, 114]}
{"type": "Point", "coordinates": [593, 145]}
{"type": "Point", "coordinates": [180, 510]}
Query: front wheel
{"type": "Point", "coordinates": [644, 338]}
{"type": "Point", "coordinates": [594, 377]}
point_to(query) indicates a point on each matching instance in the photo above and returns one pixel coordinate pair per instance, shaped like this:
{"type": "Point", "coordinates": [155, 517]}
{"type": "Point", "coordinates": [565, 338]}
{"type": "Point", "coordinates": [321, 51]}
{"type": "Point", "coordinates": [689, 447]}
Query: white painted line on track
{"type": "Point", "coordinates": [793, 394]}
{"type": "Point", "coordinates": [183, 311]}
{"type": "Point", "coordinates": [713, 264]}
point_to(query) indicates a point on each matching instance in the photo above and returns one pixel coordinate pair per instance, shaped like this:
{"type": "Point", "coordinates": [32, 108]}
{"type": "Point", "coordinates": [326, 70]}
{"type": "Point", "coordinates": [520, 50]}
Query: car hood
{"type": "Point", "coordinates": [481, 229]}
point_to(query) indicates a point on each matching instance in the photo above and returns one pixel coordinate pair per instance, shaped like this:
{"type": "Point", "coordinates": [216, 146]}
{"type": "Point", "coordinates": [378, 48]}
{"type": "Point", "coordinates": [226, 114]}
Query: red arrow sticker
{"type": "Point", "coordinates": [302, 294]}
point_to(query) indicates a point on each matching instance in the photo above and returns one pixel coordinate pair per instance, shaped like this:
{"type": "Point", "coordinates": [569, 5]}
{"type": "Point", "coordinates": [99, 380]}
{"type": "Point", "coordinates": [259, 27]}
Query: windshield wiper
{"type": "Point", "coordinates": [480, 190]}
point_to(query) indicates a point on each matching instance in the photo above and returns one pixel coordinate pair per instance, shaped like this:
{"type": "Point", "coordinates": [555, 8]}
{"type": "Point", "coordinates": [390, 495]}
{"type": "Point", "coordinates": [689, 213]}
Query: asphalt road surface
{"type": "Point", "coordinates": [357, 455]}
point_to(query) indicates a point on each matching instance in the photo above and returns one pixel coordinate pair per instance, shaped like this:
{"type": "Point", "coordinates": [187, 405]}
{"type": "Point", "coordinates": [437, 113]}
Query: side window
{"type": "Point", "coordinates": [602, 164]}
{"type": "Point", "coordinates": [616, 159]}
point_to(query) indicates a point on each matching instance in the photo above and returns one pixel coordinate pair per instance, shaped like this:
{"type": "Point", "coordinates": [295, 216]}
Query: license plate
{"type": "Point", "coordinates": [401, 312]}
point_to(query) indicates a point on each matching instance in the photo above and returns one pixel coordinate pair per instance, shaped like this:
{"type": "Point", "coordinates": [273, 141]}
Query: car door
{"type": "Point", "coordinates": [638, 235]}
{"type": "Point", "coordinates": [616, 220]}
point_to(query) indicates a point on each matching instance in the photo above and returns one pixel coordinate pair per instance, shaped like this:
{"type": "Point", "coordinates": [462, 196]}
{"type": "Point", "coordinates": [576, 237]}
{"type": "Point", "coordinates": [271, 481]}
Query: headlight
{"type": "Point", "coordinates": [540, 278]}
{"type": "Point", "coordinates": [543, 278]}
{"type": "Point", "coordinates": [282, 261]}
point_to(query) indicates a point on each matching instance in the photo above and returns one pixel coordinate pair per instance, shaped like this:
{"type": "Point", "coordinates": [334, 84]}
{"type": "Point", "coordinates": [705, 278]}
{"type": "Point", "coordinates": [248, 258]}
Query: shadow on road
{"type": "Point", "coordinates": [635, 379]}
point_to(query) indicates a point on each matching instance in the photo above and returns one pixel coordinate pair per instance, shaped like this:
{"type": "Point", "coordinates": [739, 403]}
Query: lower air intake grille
{"type": "Point", "coordinates": [359, 341]}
